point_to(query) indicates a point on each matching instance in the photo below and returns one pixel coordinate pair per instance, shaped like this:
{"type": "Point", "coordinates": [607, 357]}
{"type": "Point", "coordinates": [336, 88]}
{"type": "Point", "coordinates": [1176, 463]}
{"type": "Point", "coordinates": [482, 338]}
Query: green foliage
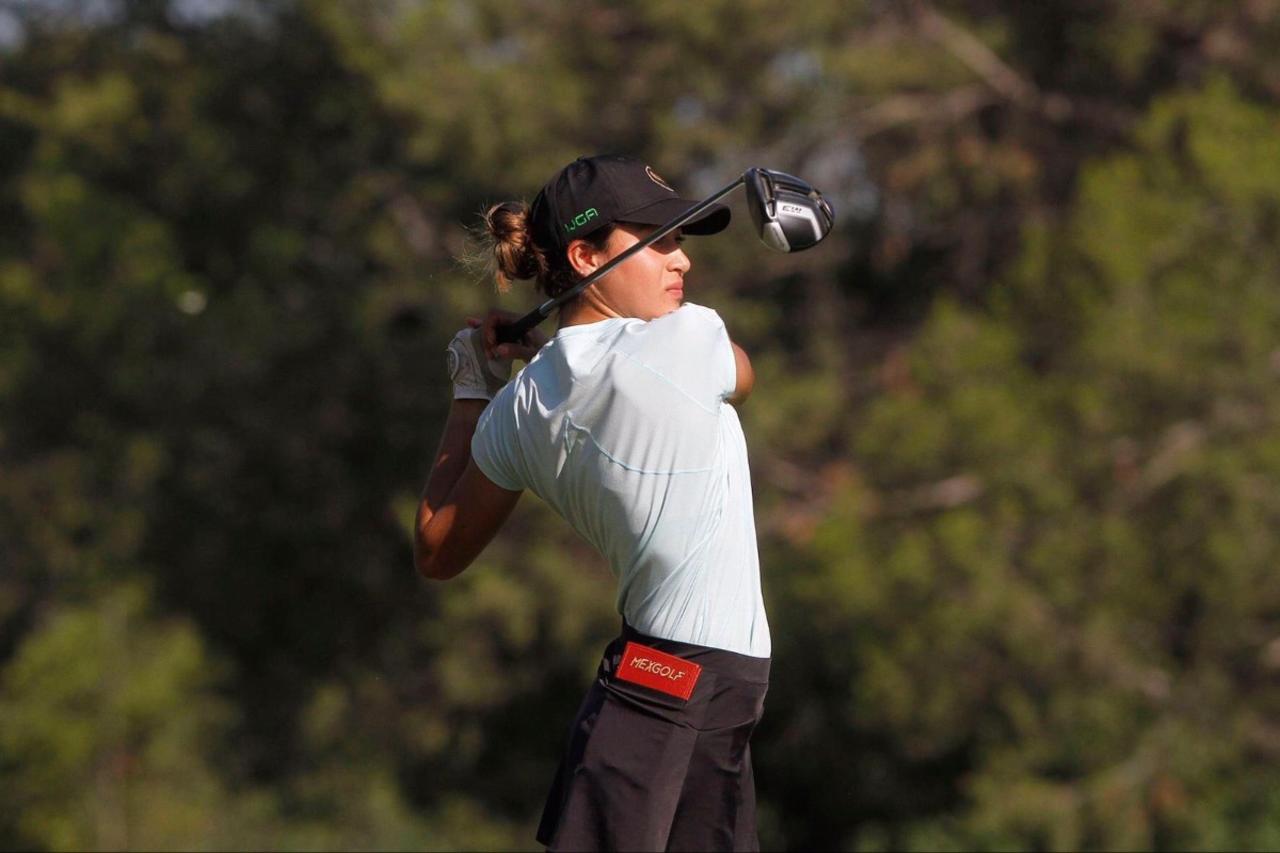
{"type": "Point", "coordinates": [109, 716]}
{"type": "Point", "coordinates": [1065, 574]}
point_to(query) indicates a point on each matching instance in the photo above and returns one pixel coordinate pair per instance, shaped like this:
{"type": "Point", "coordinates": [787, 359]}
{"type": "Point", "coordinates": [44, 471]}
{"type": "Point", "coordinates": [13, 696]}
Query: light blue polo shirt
{"type": "Point", "coordinates": [622, 427]}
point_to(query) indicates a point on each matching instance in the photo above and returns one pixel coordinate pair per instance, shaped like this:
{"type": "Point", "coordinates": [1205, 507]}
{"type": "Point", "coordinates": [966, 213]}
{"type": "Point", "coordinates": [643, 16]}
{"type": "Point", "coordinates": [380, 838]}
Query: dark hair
{"type": "Point", "coordinates": [517, 257]}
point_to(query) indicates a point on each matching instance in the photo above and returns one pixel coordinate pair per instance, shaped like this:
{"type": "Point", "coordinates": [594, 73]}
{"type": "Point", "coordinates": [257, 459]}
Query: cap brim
{"type": "Point", "coordinates": [713, 220]}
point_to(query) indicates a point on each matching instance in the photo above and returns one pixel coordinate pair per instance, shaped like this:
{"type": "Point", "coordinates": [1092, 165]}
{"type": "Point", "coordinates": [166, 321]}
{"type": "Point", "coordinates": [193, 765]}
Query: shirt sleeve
{"type": "Point", "coordinates": [690, 347]}
{"type": "Point", "coordinates": [495, 447]}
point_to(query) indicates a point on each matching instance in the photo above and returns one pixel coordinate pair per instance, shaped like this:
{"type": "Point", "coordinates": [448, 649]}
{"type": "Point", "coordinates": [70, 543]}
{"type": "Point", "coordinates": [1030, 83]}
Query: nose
{"type": "Point", "coordinates": [678, 261]}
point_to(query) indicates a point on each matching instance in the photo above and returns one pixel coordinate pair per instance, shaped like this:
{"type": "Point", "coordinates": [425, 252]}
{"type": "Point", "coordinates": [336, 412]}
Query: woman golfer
{"type": "Point", "coordinates": [623, 423]}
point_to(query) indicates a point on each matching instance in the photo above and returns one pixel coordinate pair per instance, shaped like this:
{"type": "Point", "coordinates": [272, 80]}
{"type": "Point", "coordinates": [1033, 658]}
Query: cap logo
{"type": "Point", "coordinates": [581, 219]}
{"type": "Point", "coordinates": [653, 176]}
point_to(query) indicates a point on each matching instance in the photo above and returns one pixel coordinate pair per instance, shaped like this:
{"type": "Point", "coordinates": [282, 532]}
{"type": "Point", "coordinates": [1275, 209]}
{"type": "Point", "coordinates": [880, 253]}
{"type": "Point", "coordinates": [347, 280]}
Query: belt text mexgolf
{"type": "Point", "coordinates": [658, 670]}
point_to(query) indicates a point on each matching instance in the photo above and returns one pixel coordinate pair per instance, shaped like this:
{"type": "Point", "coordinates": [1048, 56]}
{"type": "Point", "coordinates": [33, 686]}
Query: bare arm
{"type": "Point", "coordinates": [461, 509]}
{"type": "Point", "coordinates": [746, 376]}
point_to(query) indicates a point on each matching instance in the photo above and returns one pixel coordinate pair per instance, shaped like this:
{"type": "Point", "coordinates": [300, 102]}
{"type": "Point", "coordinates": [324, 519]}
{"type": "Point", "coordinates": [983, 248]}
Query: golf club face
{"type": "Point", "coordinates": [789, 214]}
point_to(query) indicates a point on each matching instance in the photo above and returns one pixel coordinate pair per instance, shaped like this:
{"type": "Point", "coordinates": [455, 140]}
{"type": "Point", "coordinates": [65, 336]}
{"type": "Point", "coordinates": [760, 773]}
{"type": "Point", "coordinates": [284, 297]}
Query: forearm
{"type": "Point", "coordinates": [449, 462]}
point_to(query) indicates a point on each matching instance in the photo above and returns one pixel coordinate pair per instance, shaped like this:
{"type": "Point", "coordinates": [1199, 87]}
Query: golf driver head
{"type": "Point", "coordinates": [790, 215]}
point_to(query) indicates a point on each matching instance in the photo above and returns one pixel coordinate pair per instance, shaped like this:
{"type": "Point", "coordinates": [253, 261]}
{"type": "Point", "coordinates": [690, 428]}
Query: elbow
{"type": "Point", "coordinates": [432, 570]}
{"type": "Point", "coordinates": [425, 555]}
{"type": "Point", "coordinates": [426, 568]}
{"type": "Point", "coordinates": [428, 565]}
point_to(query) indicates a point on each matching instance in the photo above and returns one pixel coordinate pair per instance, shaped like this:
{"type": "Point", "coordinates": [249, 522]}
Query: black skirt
{"type": "Point", "coordinates": [659, 755]}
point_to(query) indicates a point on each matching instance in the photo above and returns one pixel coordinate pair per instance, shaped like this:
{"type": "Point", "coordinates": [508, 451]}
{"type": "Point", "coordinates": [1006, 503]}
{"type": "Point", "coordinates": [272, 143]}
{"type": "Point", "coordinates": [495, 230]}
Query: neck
{"type": "Point", "coordinates": [580, 311]}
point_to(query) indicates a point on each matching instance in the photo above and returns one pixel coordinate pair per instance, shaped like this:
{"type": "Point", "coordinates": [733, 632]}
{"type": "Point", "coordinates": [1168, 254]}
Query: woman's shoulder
{"type": "Point", "coordinates": [689, 322]}
{"type": "Point", "coordinates": [690, 348]}
{"type": "Point", "coordinates": [689, 312]}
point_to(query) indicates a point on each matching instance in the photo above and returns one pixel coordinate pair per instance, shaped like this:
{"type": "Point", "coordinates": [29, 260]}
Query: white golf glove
{"type": "Point", "coordinates": [475, 376]}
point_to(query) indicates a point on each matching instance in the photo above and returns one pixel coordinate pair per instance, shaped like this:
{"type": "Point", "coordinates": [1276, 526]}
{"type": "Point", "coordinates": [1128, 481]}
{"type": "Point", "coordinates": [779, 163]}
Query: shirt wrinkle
{"type": "Point", "coordinates": [611, 429]}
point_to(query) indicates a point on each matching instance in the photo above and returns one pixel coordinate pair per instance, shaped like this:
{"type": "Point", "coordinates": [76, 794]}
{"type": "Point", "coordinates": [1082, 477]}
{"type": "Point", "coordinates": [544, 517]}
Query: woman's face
{"type": "Point", "coordinates": [646, 285]}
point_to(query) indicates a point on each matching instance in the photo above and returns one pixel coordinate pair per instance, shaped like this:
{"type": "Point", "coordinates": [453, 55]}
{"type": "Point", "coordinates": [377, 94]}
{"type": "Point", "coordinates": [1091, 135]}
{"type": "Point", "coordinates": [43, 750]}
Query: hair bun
{"type": "Point", "coordinates": [514, 253]}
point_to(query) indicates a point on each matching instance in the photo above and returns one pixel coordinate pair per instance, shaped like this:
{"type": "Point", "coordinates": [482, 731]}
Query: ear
{"type": "Point", "coordinates": [583, 257]}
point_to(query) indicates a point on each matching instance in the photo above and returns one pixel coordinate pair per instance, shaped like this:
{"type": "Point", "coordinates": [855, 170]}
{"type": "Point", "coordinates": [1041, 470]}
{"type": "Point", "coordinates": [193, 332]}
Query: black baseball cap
{"type": "Point", "coordinates": [592, 192]}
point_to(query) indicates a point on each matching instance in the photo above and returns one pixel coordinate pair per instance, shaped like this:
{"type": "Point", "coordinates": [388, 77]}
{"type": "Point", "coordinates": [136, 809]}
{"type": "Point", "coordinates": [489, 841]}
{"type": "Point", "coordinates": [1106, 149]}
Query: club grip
{"type": "Point", "coordinates": [513, 332]}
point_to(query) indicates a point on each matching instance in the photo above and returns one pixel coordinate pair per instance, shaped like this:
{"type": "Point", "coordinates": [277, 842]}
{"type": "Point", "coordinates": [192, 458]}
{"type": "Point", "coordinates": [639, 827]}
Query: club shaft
{"type": "Point", "coordinates": [517, 330]}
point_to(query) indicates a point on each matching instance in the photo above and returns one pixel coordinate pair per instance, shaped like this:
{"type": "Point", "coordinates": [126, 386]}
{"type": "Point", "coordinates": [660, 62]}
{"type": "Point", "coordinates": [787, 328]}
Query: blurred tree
{"type": "Point", "coordinates": [108, 716]}
{"type": "Point", "coordinates": [1055, 566]}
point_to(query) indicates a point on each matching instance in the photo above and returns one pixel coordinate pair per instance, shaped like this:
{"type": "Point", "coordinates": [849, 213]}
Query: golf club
{"type": "Point", "coordinates": [789, 214]}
